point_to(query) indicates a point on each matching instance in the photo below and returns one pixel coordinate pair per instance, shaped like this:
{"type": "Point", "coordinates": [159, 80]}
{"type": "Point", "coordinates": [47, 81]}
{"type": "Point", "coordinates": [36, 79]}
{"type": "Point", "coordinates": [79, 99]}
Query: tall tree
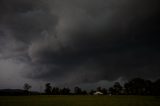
{"type": "Point", "coordinates": [27, 87]}
{"type": "Point", "coordinates": [104, 91]}
{"type": "Point", "coordinates": [136, 86]}
{"type": "Point", "coordinates": [117, 88]}
{"type": "Point", "coordinates": [111, 91]}
{"type": "Point", "coordinates": [91, 92]}
{"type": "Point", "coordinates": [55, 91]}
{"type": "Point", "coordinates": [148, 87]}
{"type": "Point", "coordinates": [156, 88]}
{"type": "Point", "coordinates": [48, 88]}
{"type": "Point", "coordinates": [77, 90]}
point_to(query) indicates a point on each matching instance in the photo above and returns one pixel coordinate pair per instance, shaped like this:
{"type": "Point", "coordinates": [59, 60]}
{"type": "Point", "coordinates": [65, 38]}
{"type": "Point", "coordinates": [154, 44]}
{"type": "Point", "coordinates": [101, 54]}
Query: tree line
{"type": "Point", "coordinates": [135, 86]}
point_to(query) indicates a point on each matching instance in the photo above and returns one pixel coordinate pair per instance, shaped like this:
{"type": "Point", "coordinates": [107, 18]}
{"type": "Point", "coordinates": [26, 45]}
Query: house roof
{"type": "Point", "coordinates": [98, 93]}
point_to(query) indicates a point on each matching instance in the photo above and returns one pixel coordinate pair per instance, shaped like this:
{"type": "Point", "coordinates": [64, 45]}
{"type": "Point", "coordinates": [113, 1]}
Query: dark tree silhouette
{"type": "Point", "coordinates": [65, 91]}
{"type": "Point", "coordinates": [117, 88]}
{"type": "Point", "coordinates": [148, 87]}
{"type": "Point", "coordinates": [104, 91]}
{"type": "Point", "coordinates": [84, 92]}
{"type": "Point", "coordinates": [128, 88]}
{"type": "Point", "coordinates": [138, 86]}
{"type": "Point", "coordinates": [55, 91]}
{"type": "Point", "coordinates": [91, 92]}
{"type": "Point", "coordinates": [27, 87]}
{"type": "Point", "coordinates": [156, 88]}
{"type": "Point", "coordinates": [77, 90]}
{"type": "Point", "coordinates": [48, 88]}
{"type": "Point", "coordinates": [111, 91]}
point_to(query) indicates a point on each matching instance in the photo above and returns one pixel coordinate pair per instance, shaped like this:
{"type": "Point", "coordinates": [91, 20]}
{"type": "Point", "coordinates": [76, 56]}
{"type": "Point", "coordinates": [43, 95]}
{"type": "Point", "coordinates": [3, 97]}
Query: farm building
{"type": "Point", "coordinates": [98, 93]}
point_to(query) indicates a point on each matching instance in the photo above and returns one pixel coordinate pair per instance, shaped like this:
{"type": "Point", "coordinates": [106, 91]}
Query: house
{"type": "Point", "coordinates": [97, 93]}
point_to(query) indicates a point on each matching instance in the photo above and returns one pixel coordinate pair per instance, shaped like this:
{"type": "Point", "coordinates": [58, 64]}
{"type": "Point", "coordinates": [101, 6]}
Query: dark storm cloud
{"type": "Point", "coordinates": [77, 41]}
{"type": "Point", "coordinates": [26, 19]}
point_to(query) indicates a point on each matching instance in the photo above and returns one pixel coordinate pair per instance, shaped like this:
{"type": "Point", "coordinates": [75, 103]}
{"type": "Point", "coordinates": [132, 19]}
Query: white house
{"type": "Point", "coordinates": [98, 93]}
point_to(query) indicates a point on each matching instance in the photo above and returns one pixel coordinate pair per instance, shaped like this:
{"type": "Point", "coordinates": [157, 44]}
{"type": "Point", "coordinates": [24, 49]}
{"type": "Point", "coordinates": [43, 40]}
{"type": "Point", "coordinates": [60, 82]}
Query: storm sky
{"type": "Point", "coordinates": [71, 42]}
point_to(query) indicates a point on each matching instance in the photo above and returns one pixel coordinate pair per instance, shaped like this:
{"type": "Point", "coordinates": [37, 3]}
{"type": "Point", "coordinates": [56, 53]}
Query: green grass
{"type": "Point", "coordinates": [79, 101]}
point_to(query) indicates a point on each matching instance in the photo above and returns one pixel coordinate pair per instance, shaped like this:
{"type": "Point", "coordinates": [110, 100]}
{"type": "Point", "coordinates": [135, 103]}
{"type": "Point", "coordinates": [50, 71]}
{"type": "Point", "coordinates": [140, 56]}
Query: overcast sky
{"type": "Point", "coordinates": [78, 42]}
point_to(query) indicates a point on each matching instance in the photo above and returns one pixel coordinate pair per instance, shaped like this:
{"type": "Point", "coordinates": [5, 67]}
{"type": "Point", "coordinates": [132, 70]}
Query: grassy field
{"type": "Point", "coordinates": [79, 101]}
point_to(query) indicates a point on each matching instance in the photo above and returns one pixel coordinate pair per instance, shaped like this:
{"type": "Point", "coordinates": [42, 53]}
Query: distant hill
{"type": "Point", "coordinates": [16, 92]}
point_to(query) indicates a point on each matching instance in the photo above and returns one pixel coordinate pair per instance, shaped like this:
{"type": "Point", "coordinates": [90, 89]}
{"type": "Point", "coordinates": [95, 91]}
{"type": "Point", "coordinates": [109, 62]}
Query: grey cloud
{"type": "Point", "coordinates": [77, 41]}
{"type": "Point", "coordinates": [26, 20]}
